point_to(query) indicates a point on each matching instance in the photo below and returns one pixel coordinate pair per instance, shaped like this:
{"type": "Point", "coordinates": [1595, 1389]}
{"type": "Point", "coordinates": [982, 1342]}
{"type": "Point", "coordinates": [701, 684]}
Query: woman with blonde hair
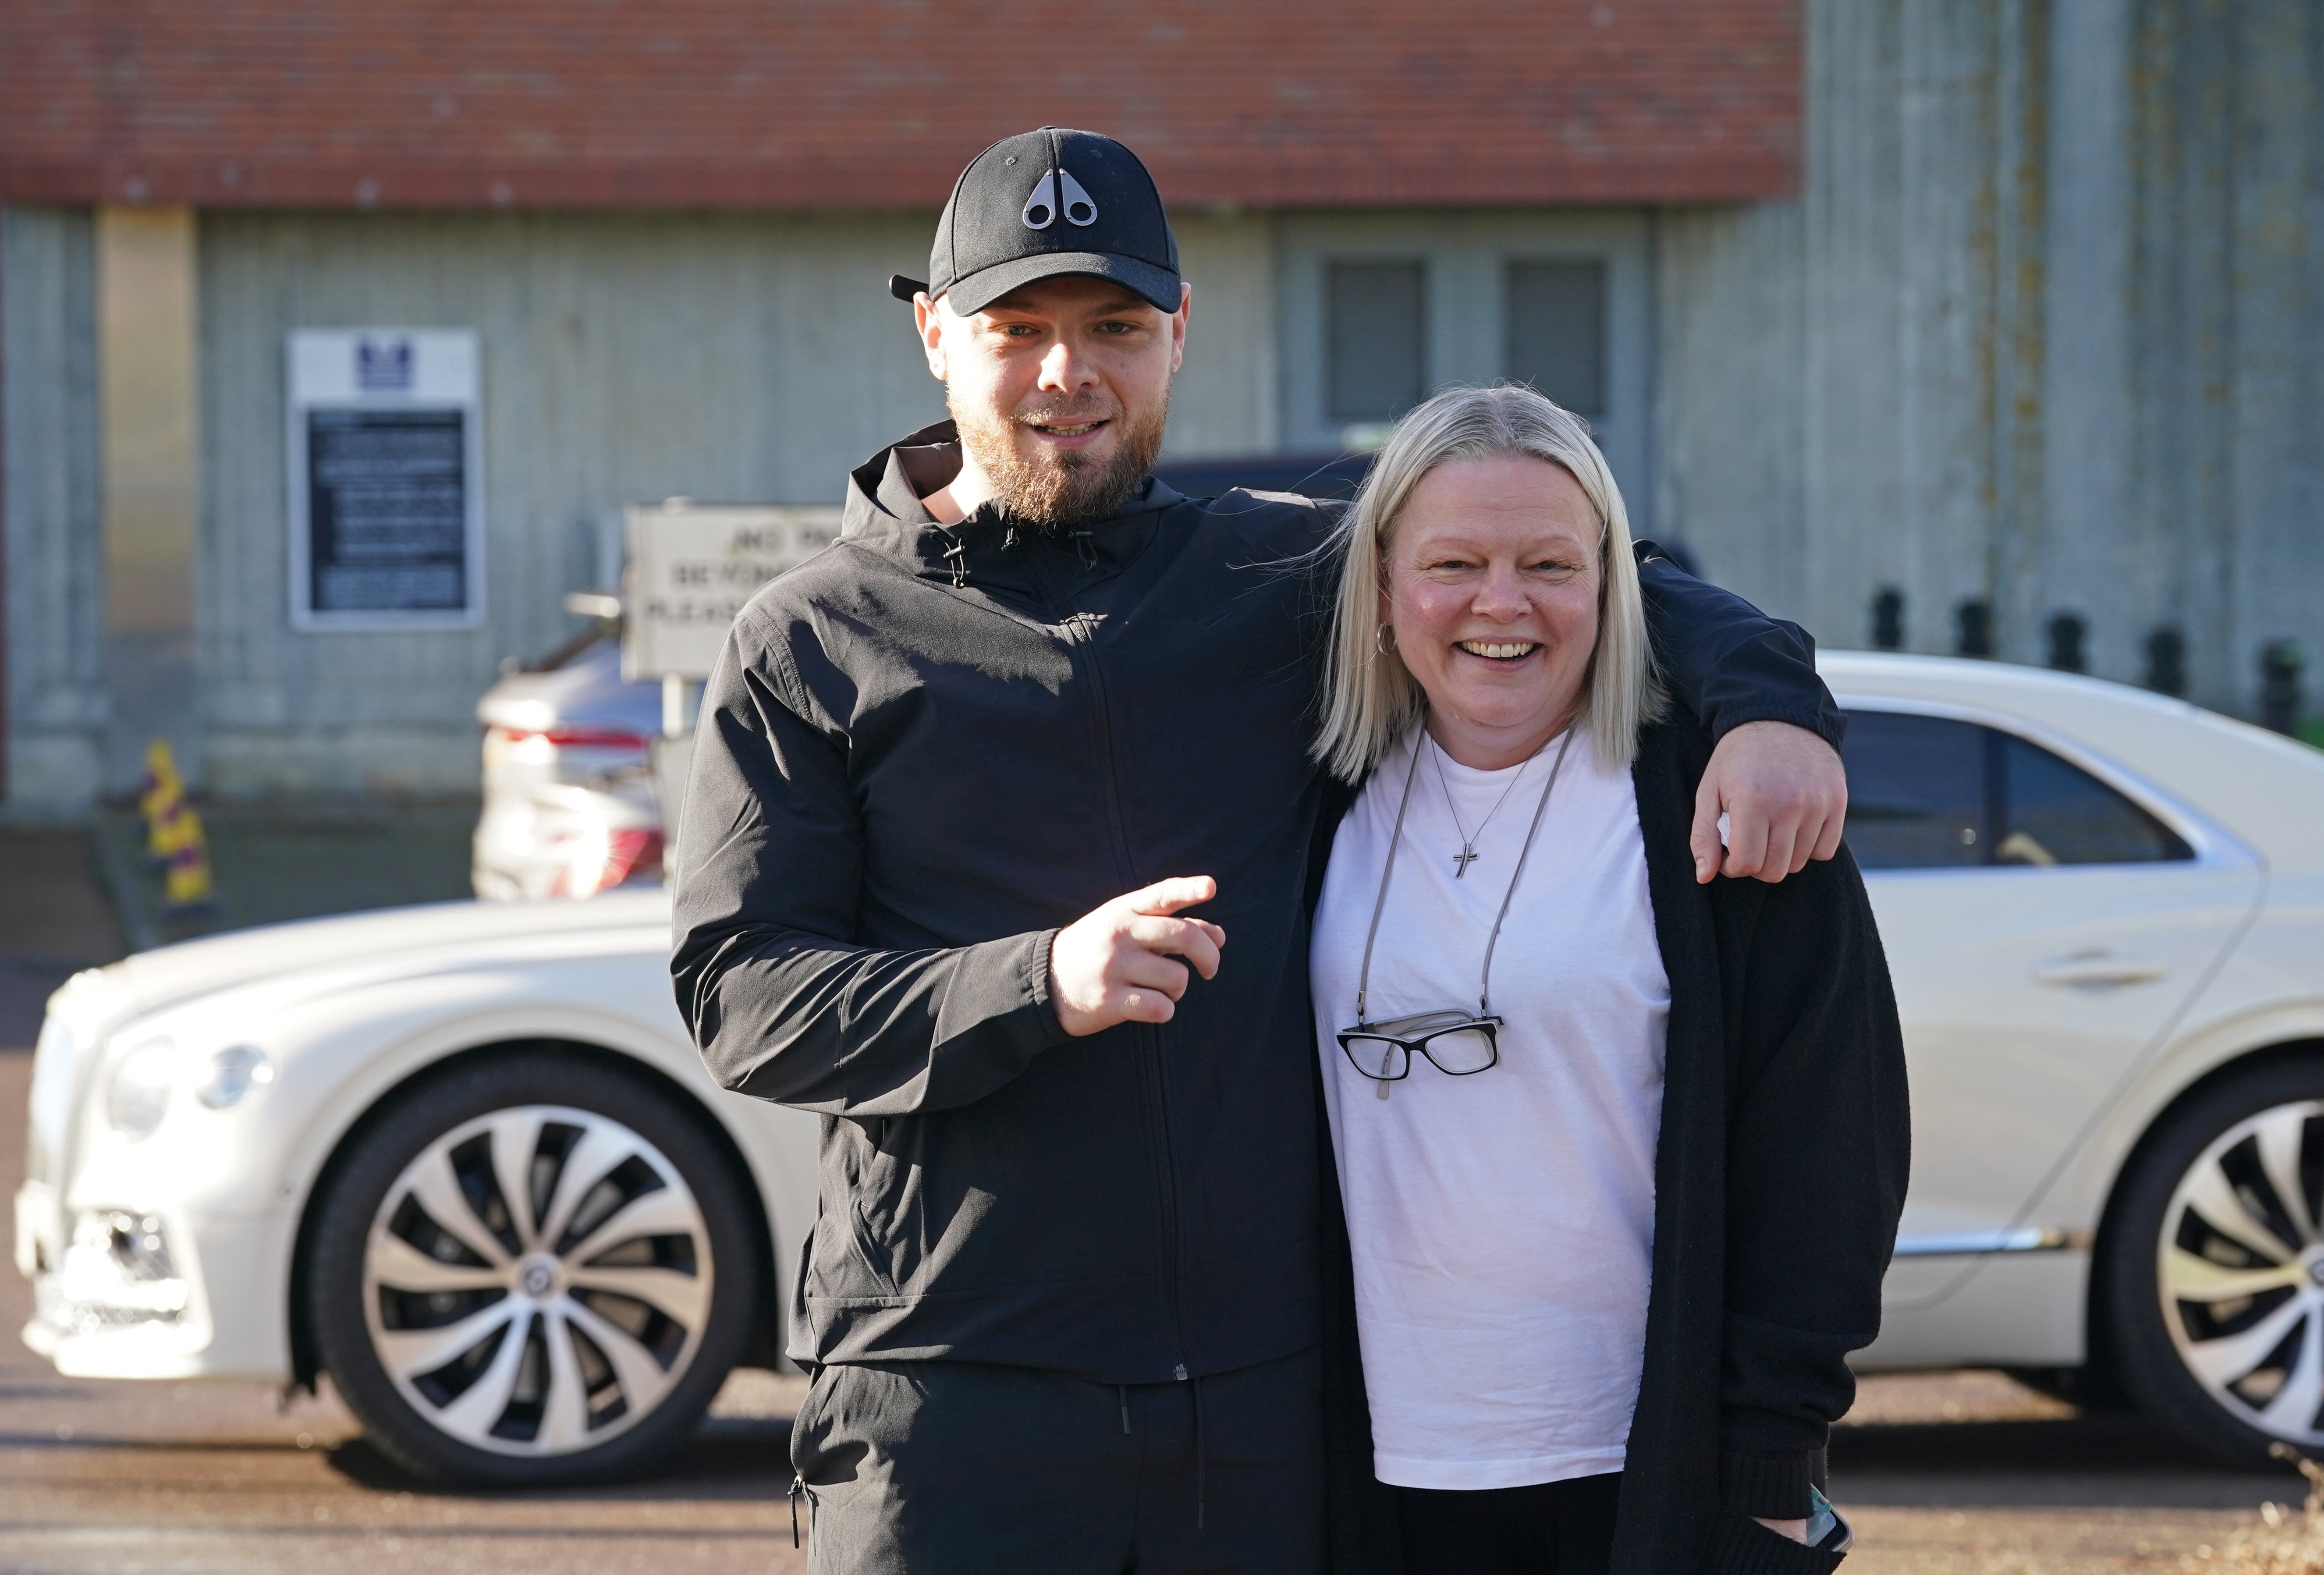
{"type": "Point", "coordinates": [1621, 1154]}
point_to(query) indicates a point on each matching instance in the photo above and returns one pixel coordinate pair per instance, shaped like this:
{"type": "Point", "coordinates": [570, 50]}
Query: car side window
{"type": "Point", "coordinates": [1929, 792]}
{"type": "Point", "coordinates": [2058, 813]}
{"type": "Point", "coordinates": [1916, 791]}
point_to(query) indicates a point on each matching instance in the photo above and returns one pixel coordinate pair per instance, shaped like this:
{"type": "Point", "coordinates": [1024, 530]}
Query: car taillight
{"type": "Point", "coordinates": [600, 862]}
{"type": "Point", "coordinates": [578, 738]}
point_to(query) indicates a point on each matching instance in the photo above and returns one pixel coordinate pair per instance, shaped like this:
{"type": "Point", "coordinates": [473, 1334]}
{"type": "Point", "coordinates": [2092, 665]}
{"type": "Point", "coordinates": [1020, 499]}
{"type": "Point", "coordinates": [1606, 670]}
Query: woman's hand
{"type": "Point", "coordinates": [1113, 963]}
{"type": "Point", "coordinates": [1785, 796]}
{"type": "Point", "coordinates": [1797, 1530]}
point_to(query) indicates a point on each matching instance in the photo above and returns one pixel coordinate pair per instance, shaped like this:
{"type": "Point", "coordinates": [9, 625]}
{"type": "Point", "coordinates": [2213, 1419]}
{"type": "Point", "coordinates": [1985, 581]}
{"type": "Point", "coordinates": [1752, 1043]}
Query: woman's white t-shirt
{"type": "Point", "coordinates": [1502, 1223]}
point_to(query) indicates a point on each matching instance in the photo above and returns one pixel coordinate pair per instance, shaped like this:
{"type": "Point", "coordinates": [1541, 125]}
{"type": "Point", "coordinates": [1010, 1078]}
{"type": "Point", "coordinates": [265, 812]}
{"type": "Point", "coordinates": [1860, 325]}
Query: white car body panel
{"type": "Point", "coordinates": [351, 1009]}
{"type": "Point", "coordinates": [2029, 1096]}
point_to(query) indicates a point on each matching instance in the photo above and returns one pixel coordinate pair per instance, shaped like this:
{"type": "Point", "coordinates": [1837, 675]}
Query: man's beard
{"type": "Point", "coordinates": [1060, 492]}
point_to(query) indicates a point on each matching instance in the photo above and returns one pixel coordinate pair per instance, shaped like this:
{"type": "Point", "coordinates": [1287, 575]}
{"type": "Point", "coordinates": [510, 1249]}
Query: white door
{"type": "Point", "coordinates": [2042, 930]}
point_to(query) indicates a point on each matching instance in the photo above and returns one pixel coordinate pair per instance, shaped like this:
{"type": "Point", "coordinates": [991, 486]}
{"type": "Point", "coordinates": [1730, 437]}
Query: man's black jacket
{"type": "Point", "coordinates": [926, 749]}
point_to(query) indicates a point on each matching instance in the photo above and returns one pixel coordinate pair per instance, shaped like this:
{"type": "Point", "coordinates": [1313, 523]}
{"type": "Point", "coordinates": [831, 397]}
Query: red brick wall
{"type": "Point", "coordinates": [878, 103]}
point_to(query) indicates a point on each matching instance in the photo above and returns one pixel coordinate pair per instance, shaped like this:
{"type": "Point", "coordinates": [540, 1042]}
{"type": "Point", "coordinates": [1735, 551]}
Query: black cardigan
{"type": "Point", "coordinates": [1779, 1178]}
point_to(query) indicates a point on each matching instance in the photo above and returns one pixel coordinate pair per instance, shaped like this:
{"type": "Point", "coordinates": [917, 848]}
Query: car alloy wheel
{"type": "Point", "coordinates": [537, 1280]}
{"type": "Point", "coordinates": [2239, 1271]}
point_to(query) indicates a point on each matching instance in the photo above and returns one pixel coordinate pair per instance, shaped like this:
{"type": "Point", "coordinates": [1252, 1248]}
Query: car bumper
{"type": "Point", "coordinates": [130, 1293]}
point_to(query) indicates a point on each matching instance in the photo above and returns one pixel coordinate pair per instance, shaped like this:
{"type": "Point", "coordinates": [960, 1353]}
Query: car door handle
{"type": "Point", "coordinates": [2084, 969]}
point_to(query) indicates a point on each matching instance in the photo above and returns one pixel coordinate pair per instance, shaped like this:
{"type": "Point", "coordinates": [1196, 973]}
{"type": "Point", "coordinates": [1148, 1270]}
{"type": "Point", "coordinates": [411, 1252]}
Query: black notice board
{"type": "Point", "coordinates": [387, 510]}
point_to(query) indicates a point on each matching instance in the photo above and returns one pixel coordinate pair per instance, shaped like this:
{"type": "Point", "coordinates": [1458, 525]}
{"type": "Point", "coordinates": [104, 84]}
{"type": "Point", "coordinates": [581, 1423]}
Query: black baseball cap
{"type": "Point", "coordinates": [1045, 203]}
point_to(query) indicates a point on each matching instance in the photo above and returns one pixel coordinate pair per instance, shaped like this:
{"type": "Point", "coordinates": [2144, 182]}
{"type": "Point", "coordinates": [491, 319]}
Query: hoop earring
{"type": "Point", "coordinates": [1384, 638]}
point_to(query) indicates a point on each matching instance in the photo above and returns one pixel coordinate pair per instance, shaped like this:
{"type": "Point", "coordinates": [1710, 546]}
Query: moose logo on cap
{"type": "Point", "coordinates": [1058, 190]}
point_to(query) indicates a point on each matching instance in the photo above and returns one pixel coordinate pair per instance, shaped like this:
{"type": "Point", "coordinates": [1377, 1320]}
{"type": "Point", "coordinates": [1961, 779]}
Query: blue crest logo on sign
{"type": "Point", "coordinates": [383, 366]}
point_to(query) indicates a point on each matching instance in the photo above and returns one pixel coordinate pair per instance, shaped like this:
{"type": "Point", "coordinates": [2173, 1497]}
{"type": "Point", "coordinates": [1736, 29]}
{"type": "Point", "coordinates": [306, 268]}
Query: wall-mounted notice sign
{"type": "Point", "coordinates": [386, 479]}
{"type": "Point", "coordinates": [690, 570]}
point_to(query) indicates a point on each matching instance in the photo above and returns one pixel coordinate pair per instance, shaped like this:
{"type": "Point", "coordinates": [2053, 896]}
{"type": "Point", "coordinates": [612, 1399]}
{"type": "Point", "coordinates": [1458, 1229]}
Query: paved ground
{"type": "Point", "coordinates": [1943, 1474]}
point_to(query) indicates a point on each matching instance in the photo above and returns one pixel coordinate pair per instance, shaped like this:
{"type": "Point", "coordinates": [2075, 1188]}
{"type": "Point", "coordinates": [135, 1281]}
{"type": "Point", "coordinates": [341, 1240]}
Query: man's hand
{"type": "Point", "coordinates": [1113, 965]}
{"type": "Point", "coordinates": [1785, 797]}
{"type": "Point", "coordinates": [1797, 1530]}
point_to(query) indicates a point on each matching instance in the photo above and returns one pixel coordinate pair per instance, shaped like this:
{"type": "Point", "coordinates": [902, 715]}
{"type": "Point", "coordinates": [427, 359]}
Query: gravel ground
{"type": "Point", "coordinates": [1948, 1473]}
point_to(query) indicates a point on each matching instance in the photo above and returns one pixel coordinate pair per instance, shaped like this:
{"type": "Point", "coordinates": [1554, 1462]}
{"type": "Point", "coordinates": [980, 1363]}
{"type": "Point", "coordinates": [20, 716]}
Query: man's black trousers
{"type": "Point", "coordinates": [962, 1468]}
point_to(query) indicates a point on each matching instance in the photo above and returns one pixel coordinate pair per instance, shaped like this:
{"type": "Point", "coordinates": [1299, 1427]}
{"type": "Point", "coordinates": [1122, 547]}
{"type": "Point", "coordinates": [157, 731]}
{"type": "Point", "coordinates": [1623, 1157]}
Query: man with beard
{"type": "Point", "coordinates": [1063, 1300]}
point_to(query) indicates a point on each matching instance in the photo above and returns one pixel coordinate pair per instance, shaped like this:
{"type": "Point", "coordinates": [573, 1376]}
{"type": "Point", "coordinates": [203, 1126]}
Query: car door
{"type": "Point", "coordinates": [2043, 929]}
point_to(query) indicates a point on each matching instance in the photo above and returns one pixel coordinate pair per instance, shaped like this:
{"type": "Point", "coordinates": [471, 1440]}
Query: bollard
{"type": "Point", "coordinates": [173, 832]}
{"type": "Point", "coordinates": [2069, 632]}
{"type": "Point", "coordinates": [186, 884]}
{"type": "Point", "coordinates": [2280, 661]}
{"type": "Point", "coordinates": [1974, 621]}
{"type": "Point", "coordinates": [162, 788]}
{"type": "Point", "coordinates": [1888, 619]}
{"type": "Point", "coordinates": [2166, 660]}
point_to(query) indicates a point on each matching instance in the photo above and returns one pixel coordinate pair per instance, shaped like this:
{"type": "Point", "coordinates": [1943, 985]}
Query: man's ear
{"type": "Point", "coordinates": [1178, 326]}
{"type": "Point", "coordinates": [928, 318]}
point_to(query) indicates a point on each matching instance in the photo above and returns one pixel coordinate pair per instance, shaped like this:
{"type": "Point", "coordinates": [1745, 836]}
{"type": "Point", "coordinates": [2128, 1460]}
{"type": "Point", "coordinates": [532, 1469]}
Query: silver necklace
{"type": "Point", "coordinates": [1492, 939]}
{"type": "Point", "coordinates": [1467, 854]}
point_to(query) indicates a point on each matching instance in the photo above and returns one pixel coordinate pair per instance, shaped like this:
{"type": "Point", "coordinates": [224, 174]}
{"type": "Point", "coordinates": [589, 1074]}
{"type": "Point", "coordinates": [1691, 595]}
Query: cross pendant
{"type": "Point", "coordinates": [1462, 861]}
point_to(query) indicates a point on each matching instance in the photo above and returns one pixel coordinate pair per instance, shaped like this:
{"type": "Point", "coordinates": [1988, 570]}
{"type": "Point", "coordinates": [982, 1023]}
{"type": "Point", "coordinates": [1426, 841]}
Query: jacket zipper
{"type": "Point", "coordinates": [1080, 644]}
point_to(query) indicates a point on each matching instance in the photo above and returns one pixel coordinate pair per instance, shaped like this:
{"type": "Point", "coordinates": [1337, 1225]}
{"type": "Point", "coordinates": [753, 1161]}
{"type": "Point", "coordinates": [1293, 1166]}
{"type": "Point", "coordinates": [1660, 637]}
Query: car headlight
{"type": "Point", "coordinates": [234, 1071]}
{"type": "Point", "coordinates": [138, 1097]}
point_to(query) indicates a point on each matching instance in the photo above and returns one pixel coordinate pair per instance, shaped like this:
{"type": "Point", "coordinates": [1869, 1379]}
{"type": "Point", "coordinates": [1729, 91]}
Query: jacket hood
{"type": "Point", "coordinates": [883, 513]}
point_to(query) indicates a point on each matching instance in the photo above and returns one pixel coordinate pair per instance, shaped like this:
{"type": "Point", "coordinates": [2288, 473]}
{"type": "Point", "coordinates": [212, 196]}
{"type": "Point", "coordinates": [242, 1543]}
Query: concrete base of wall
{"type": "Point", "coordinates": [372, 762]}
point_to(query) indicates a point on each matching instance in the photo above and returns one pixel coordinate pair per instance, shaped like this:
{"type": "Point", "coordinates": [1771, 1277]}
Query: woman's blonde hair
{"type": "Point", "coordinates": [1371, 699]}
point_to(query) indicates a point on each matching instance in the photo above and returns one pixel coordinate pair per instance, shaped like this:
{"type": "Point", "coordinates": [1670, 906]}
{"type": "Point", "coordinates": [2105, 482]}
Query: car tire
{"type": "Point", "coordinates": [2213, 1266]}
{"type": "Point", "coordinates": [569, 1334]}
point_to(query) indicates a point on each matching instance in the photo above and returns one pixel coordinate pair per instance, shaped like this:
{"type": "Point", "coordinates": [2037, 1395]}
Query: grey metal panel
{"type": "Point", "coordinates": [56, 698]}
{"type": "Point", "coordinates": [1895, 318]}
{"type": "Point", "coordinates": [1225, 401]}
{"type": "Point", "coordinates": [2094, 556]}
{"type": "Point", "coordinates": [2046, 326]}
{"type": "Point", "coordinates": [2272, 256]}
{"type": "Point", "coordinates": [1730, 447]}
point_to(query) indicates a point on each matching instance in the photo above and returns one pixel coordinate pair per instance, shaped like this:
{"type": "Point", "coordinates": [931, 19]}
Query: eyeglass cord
{"type": "Point", "coordinates": [1388, 873]}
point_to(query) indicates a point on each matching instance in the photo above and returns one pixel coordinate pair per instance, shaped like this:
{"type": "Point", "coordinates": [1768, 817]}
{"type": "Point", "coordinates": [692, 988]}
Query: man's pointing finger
{"type": "Point", "coordinates": [1167, 897]}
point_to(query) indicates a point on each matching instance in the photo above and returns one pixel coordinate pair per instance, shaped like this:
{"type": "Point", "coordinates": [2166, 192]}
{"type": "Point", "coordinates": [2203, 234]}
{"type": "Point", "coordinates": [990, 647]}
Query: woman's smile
{"type": "Point", "coordinates": [1500, 652]}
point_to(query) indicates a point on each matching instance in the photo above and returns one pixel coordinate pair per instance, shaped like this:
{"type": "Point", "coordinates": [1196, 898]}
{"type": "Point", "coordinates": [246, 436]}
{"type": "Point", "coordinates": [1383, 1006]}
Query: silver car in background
{"type": "Point", "coordinates": [570, 808]}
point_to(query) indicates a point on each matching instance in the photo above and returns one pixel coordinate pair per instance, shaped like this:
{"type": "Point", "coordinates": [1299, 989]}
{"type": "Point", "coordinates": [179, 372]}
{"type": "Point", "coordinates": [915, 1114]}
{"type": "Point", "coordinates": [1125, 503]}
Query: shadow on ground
{"type": "Point", "coordinates": [2092, 1458]}
{"type": "Point", "coordinates": [746, 1459]}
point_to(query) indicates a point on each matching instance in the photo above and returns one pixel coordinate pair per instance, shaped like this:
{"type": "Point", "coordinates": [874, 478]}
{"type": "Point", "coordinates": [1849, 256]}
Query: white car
{"type": "Point", "coordinates": [464, 1159]}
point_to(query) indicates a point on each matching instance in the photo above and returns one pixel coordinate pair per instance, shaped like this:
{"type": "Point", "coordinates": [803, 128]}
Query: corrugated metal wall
{"type": "Point", "coordinates": [2045, 331]}
{"type": "Point", "coordinates": [56, 666]}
